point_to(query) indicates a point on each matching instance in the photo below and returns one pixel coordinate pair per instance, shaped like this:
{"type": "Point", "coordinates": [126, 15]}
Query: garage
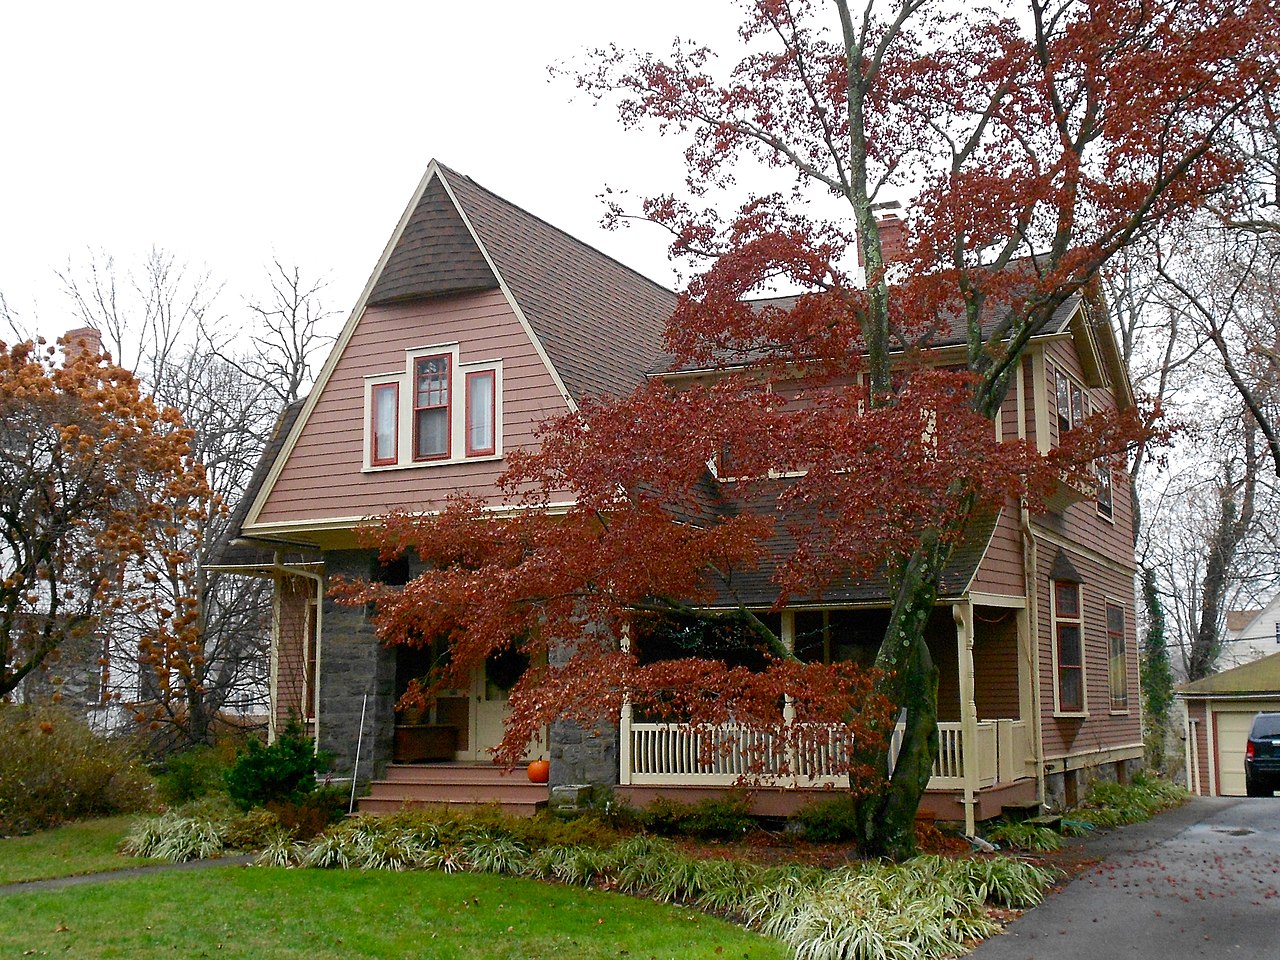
{"type": "Point", "coordinates": [1218, 712]}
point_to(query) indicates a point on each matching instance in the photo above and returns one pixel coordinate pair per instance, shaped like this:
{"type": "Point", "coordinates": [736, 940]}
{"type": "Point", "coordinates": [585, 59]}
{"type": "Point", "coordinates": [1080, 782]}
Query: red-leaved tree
{"type": "Point", "coordinates": [1035, 144]}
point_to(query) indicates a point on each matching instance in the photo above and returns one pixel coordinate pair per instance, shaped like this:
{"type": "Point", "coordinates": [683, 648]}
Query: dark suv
{"type": "Point", "coordinates": [1262, 756]}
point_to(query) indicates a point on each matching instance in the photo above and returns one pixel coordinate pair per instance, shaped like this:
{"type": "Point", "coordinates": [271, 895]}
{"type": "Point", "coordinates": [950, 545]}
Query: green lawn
{"type": "Point", "coordinates": [275, 914]}
{"type": "Point", "coordinates": [74, 849]}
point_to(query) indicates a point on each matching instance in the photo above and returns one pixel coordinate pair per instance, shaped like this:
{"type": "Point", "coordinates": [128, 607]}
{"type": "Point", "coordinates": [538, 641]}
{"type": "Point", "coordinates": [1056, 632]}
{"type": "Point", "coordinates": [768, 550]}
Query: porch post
{"type": "Point", "coordinates": [788, 707]}
{"type": "Point", "coordinates": [962, 614]}
{"type": "Point", "coordinates": [624, 721]}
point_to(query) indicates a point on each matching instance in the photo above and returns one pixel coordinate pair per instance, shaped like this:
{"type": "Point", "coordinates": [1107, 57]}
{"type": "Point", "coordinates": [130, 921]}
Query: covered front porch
{"type": "Point", "coordinates": [987, 754]}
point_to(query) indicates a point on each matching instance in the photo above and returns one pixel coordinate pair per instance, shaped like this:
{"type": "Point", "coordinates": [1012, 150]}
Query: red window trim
{"type": "Point", "coordinates": [492, 375]}
{"type": "Point", "coordinates": [373, 425]}
{"type": "Point", "coordinates": [448, 379]}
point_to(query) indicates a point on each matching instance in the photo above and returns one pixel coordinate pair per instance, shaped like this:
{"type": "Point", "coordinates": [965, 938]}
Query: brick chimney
{"type": "Point", "coordinates": [81, 341]}
{"type": "Point", "coordinates": [893, 232]}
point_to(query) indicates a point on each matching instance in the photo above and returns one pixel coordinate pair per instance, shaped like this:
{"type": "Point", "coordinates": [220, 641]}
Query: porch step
{"type": "Point", "coordinates": [454, 785]}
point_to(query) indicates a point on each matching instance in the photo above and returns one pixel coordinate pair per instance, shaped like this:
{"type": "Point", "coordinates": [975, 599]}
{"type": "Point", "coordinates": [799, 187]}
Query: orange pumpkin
{"type": "Point", "coordinates": [539, 771]}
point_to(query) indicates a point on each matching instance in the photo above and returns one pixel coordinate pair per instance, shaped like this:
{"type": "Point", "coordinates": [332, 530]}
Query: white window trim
{"type": "Point", "coordinates": [1124, 609]}
{"type": "Point", "coordinates": [1083, 712]}
{"type": "Point", "coordinates": [457, 410]}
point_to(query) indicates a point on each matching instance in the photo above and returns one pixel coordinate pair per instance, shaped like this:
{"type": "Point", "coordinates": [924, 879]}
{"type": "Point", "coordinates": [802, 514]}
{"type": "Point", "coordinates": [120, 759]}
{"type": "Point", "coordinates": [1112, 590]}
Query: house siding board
{"type": "Point", "coordinates": [434, 255]}
{"type": "Point", "coordinates": [1109, 537]}
{"type": "Point", "coordinates": [323, 476]}
{"type": "Point", "coordinates": [290, 653]}
{"type": "Point", "coordinates": [995, 664]}
{"type": "Point", "coordinates": [1100, 729]}
{"type": "Point", "coordinates": [1001, 570]}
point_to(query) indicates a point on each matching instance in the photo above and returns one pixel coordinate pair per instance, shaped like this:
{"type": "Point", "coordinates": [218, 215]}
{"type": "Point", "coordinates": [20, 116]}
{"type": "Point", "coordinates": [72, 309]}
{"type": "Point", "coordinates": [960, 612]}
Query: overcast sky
{"type": "Point", "coordinates": [227, 132]}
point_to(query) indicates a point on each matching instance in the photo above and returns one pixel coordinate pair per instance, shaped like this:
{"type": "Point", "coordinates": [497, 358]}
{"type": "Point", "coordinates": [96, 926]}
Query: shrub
{"type": "Point", "coordinates": [192, 774]}
{"type": "Point", "coordinates": [831, 820]}
{"type": "Point", "coordinates": [53, 768]}
{"type": "Point", "coordinates": [724, 818]}
{"type": "Point", "coordinates": [308, 816]}
{"type": "Point", "coordinates": [281, 772]}
{"type": "Point", "coordinates": [1113, 804]}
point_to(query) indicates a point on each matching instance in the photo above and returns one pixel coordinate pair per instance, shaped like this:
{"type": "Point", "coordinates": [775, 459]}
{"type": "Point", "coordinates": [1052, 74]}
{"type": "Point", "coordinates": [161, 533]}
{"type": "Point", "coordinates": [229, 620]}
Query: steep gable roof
{"type": "Point", "coordinates": [600, 322]}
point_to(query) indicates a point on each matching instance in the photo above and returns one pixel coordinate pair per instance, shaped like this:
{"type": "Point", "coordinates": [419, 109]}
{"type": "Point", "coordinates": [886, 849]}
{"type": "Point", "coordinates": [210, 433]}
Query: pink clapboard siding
{"type": "Point", "coordinates": [323, 476]}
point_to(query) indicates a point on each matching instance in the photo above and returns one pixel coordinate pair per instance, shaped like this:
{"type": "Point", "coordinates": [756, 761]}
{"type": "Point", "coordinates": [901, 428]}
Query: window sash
{"type": "Point", "coordinates": [481, 398]}
{"type": "Point", "coordinates": [1105, 503]}
{"type": "Point", "coordinates": [431, 417]}
{"type": "Point", "coordinates": [1117, 664]}
{"type": "Point", "coordinates": [1068, 646]}
{"type": "Point", "coordinates": [385, 424]}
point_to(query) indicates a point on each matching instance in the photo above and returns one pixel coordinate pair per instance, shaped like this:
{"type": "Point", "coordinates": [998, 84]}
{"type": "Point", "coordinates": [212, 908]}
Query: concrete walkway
{"type": "Point", "coordinates": [59, 883]}
{"type": "Point", "coordinates": [1199, 881]}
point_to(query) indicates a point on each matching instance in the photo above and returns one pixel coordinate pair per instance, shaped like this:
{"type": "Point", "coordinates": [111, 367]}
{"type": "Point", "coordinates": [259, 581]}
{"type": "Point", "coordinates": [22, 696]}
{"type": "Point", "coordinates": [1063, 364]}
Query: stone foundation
{"type": "Point", "coordinates": [581, 756]}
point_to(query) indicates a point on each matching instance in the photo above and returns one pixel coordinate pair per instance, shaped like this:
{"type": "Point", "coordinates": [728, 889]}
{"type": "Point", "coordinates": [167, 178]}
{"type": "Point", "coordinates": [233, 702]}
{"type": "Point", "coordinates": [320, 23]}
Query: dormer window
{"type": "Point", "coordinates": [415, 419]}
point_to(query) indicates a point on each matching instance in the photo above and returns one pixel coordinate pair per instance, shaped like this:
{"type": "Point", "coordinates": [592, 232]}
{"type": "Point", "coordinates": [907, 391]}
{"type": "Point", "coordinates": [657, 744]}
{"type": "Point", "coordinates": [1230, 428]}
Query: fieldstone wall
{"type": "Point", "coordinates": [354, 664]}
{"type": "Point", "coordinates": [581, 756]}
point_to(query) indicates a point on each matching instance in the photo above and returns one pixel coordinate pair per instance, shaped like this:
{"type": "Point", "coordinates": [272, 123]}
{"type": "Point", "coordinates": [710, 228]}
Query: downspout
{"type": "Point", "coordinates": [1030, 564]}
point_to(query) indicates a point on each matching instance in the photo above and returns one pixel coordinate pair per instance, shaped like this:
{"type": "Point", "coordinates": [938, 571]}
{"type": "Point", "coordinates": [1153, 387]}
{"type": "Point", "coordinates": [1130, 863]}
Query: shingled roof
{"type": "Point", "coordinates": [600, 322]}
{"type": "Point", "coordinates": [1259, 677]}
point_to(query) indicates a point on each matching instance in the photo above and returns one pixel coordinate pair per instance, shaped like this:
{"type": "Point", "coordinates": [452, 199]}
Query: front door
{"type": "Point", "coordinates": [490, 703]}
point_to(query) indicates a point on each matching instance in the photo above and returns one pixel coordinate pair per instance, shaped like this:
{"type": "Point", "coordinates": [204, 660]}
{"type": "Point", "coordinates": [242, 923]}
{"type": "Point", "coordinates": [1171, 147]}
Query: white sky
{"type": "Point", "coordinates": [226, 132]}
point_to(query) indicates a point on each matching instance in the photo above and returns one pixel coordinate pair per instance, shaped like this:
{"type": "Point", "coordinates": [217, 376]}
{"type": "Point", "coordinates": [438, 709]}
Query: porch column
{"type": "Point", "coordinates": [788, 639]}
{"type": "Point", "coordinates": [962, 614]}
{"type": "Point", "coordinates": [624, 721]}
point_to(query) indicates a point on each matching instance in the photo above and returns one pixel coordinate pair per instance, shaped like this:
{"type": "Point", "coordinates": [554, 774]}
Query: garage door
{"type": "Point", "coordinates": [1232, 732]}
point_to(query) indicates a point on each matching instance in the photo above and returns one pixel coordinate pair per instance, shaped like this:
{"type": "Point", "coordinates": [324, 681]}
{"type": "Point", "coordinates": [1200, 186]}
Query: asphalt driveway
{"type": "Point", "coordinates": [1199, 881]}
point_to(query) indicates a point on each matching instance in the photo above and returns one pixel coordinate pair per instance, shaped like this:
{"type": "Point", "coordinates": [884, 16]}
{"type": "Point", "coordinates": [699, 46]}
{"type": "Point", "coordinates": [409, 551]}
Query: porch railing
{"type": "Point", "coordinates": [669, 754]}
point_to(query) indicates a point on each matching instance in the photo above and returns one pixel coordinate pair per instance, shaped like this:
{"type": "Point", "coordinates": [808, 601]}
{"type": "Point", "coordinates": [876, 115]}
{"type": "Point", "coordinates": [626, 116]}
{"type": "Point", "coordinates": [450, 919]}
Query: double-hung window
{"type": "Point", "coordinates": [1118, 664]}
{"type": "Point", "coordinates": [434, 410]}
{"type": "Point", "coordinates": [431, 420]}
{"type": "Point", "coordinates": [1068, 646]}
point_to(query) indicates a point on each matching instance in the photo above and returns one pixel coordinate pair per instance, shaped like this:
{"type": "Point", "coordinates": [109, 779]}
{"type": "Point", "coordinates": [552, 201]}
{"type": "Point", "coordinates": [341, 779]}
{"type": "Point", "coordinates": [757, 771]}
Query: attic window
{"type": "Point", "coordinates": [413, 416]}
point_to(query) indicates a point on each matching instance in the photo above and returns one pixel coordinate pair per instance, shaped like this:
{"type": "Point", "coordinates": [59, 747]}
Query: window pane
{"type": "Point", "coordinates": [432, 386]}
{"type": "Point", "coordinates": [1115, 621]}
{"type": "Point", "coordinates": [432, 432]}
{"type": "Point", "coordinates": [480, 412]}
{"type": "Point", "coordinates": [1077, 405]}
{"type": "Point", "coordinates": [1071, 689]}
{"type": "Point", "coordinates": [1064, 404]}
{"type": "Point", "coordinates": [1069, 645]}
{"type": "Point", "coordinates": [1104, 490]}
{"type": "Point", "coordinates": [1066, 598]}
{"type": "Point", "coordinates": [384, 423]}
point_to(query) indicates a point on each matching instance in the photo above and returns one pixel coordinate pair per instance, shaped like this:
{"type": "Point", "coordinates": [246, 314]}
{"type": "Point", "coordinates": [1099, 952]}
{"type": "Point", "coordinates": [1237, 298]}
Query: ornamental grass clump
{"type": "Point", "coordinates": [1026, 836]}
{"type": "Point", "coordinates": [175, 838]}
{"type": "Point", "coordinates": [1112, 804]}
{"type": "Point", "coordinates": [925, 908]}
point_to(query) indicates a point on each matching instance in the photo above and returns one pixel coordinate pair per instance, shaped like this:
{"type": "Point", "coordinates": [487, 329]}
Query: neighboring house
{"type": "Point", "coordinates": [1251, 634]}
{"type": "Point", "coordinates": [1217, 713]}
{"type": "Point", "coordinates": [479, 321]}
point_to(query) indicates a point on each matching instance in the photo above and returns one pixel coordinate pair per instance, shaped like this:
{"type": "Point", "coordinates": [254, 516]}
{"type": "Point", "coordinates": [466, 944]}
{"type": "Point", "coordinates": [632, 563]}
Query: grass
{"type": "Point", "coordinates": [86, 847]}
{"type": "Point", "coordinates": [275, 914]}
